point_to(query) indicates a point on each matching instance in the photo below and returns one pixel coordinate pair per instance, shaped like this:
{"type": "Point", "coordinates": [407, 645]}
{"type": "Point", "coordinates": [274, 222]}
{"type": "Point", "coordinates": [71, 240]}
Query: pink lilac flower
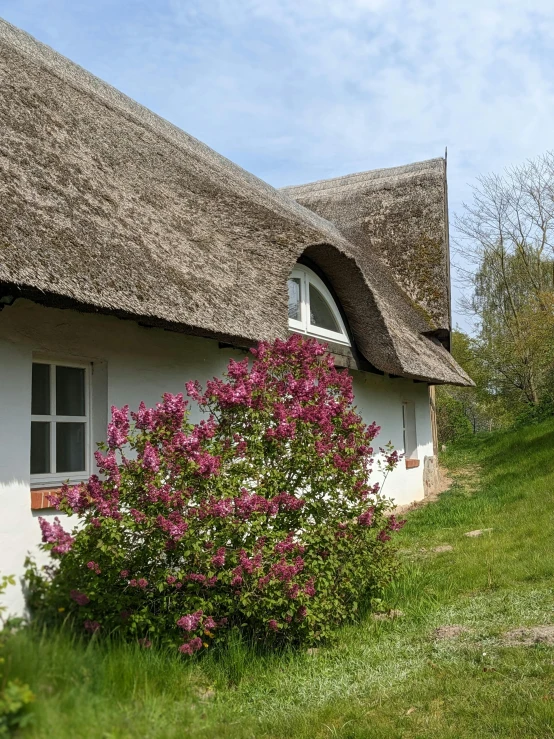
{"type": "Point", "coordinates": [138, 516]}
{"type": "Point", "coordinates": [142, 583]}
{"type": "Point", "coordinates": [208, 465]}
{"type": "Point", "coordinates": [118, 429]}
{"type": "Point", "coordinates": [124, 573]}
{"type": "Point", "coordinates": [150, 459]}
{"type": "Point", "coordinates": [191, 621]}
{"type": "Point", "coordinates": [237, 580]}
{"type": "Point", "coordinates": [193, 389]}
{"type": "Point", "coordinates": [288, 502]}
{"type": "Point", "coordinates": [309, 588]}
{"type": "Point", "coordinates": [143, 418]}
{"type": "Point", "coordinates": [94, 566]}
{"type": "Point", "coordinates": [191, 646]}
{"type": "Point", "coordinates": [133, 583]}
{"type": "Point", "coordinates": [196, 643]}
{"type": "Point", "coordinates": [218, 560]}
{"type": "Point", "coordinates": [284, 571]}
{"type": "Point", "coordinates": [293, 591]}
{"type": "Point", "coordinates": [394, 524]}
{"type": "Point", "coordinates": [80, 598]}
{"type": "Point", "coordinates": [366, 518]}
{"type": "Point", "coordinates": [53, 533]}
{"type": "Point", "coordinates": [74, 496]}
{"type": "Point", "coordinates": [174, 525]}
{"type": "Point", "coordinates": [145, 643]}
{"type": "Point", "coordinates": [170, 413]}
{"type": "Point", "coordinates": [241, 448]}
{"type": "Point", "coordinates": [248, 503]}
{"type": "Point", "coordinates": [209, 623]}
{"type": "Point", "coordinates": [263, 581]}
{"type": "Point", "coordinates": [221, 508]}
{"type": "Point", "coordinates": [301, 613]}
{"type": "Point", "coordinates": [383, 536]}
{"type": "Point", "coordinates": [170, 579]}
{"type": "Point", "coordinates": [206, 429]}
{"type": "Point", "coordinates": [91, 626]}
{"type": "Point", "coordinates": [108, 464]}
{"type": "Point", "coordinates": [237, 370]}
{"type": "Point", "coordinates": [249, 564]}
{"type": "Point", "coordinates": [273, 625]}
{"type": "Point", "coordinates": [287, 545]}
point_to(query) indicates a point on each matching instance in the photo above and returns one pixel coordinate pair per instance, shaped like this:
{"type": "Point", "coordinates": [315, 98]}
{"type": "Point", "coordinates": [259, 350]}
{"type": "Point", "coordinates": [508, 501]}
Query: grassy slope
{"type": "Point", "coordinates": [381, 679]}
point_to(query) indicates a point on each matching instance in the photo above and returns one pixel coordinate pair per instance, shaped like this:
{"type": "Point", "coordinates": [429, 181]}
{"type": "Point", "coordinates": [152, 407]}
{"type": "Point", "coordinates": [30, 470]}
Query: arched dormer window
{"type": "Point", "coordinates": [312, 309]}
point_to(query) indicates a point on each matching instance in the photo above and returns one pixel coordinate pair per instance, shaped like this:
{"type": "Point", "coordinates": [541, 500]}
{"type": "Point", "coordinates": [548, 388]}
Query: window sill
{"type": "Point", "coordinates": [412, 464]}
{"type": "Point", "coordinates": [40, 498]}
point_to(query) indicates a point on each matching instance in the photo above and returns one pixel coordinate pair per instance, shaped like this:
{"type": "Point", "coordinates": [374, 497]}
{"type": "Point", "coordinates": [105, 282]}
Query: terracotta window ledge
{"type": "Point", "coordinates": [412, 463]}
{"type": "Point", "coordinates": [40, 500]}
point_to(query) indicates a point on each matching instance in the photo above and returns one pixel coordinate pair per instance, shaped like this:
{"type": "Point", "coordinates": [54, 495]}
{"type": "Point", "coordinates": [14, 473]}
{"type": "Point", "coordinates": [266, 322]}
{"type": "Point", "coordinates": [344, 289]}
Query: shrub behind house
{"type": "Point", "coordinates": [261, 516]}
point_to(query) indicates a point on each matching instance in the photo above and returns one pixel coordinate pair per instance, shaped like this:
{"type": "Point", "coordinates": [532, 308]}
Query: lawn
{"type": "Point", "coordinates": [382, 678]}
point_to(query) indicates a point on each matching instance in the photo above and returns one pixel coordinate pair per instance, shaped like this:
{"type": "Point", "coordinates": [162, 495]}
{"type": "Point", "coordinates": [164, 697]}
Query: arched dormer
{"type": "Point", "coordinates": [312, 309]}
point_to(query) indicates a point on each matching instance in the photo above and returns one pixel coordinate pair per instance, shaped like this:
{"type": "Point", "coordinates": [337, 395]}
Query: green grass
{"type": "Point", "coordinates": [380, 679]}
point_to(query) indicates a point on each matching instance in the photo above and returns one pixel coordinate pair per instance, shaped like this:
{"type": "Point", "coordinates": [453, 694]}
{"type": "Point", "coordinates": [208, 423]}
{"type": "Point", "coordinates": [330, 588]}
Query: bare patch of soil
{"type": "Point", "coordinates": [477, 532]}
{"type": "Point", "coordinates": [450, 632]}
{"type": "Point", "coordinates": [468, 477]}
{"type": "Point", "coordinates": [528, 636]}
{"type": "Point", "coordinates": [389, 615]}
{"type": "Point", "coordinates": [443, 548]}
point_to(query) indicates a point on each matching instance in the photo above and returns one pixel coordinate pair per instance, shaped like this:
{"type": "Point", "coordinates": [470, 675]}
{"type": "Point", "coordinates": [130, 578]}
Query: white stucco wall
{"type": "Point", "coordinates": [380, 399]}
{"type": "Point", "coordinates": [133, 363]}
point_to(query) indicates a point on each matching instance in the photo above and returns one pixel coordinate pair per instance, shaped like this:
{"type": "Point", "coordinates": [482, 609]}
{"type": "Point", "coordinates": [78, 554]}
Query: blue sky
{"type": "Point", "coordinates": [299, 90]}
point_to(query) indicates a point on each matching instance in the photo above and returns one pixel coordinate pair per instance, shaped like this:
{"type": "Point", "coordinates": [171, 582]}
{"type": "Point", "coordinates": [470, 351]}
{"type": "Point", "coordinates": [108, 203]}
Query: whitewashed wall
{"type": "Point", "coordinates": [380, 399]}
{"type": "Point", "coordinates": [133, 363]}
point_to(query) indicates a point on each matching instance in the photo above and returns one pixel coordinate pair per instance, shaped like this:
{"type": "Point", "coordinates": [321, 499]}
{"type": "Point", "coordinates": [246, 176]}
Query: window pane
{"type": "Point", "coordinates": [40, 447]}
{"type": "Point", "coordinates": [70, 391]}
{"type": "Point", "coordinates": [70, 447]}
{"type": "Point", "coordinates": [40, 392]}
{"type": "Point", "coordinates": [321, 314]}
{"type": "Point", "coordinates": [294, 298]}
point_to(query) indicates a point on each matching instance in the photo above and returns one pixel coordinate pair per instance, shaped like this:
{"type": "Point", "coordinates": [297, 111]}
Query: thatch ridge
{"type": "Point", "coordinates": [105, 204]}
{"type": "Point", "coordinates": [386, 174]}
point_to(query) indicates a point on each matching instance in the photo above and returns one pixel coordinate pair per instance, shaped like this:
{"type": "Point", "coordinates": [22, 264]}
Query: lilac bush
{"type": "Point", "coordinates": [260, 517]}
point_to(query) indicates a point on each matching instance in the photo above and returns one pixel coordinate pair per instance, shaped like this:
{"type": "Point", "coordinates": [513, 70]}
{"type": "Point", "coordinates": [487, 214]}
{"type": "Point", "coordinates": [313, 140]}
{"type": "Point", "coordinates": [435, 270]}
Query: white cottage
{"type": "Point", "coordinates": [134, 258]}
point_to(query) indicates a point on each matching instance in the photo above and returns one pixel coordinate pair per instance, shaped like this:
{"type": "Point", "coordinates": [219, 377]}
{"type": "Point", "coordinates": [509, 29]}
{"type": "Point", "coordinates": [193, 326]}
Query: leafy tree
{"type": "Point", "coordinates": [463, 410]}
{"type": "Point", "coordinates": [506, 235]}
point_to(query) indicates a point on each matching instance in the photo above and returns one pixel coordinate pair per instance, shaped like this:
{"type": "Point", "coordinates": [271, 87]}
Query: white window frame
{"type": "Point", "coordinates": [57, 478]}
{"type": "Point", "coordinates": [303, 326]}
{"type": "Point", "coordinates": [409, 428]}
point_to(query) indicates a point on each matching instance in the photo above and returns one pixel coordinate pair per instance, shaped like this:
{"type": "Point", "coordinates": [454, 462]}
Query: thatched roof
{"type": "Point", "coordinates": [105, 206]}
{"type": "Point", "coordinates": [397, 218]}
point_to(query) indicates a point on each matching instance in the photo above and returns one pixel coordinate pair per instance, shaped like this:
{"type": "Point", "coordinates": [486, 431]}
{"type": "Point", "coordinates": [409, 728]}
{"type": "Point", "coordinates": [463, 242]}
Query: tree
{"type": "Point", "coordinates": [463, 410]}
{"type": "Point", "coordinates": [506, 235]}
